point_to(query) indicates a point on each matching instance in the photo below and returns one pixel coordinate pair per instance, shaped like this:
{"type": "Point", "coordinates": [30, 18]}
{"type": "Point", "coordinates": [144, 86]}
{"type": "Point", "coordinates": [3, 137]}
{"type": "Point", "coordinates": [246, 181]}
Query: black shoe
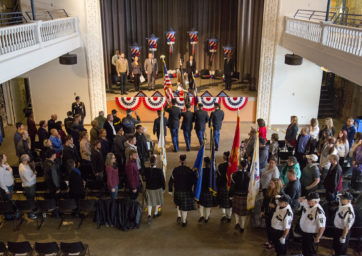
{"type": "Point", "coordinates": [216, 149]}
{"type": "Point", "coordinates": [223, 219]}
{"type": "Point", "coordinates": [202, 219]}
{"type": "Point", "coordinates": [228, 220]}
{"type": "Point", "coordinates": [241, 230]}
{"type": "Point", "coordinates": [206, 221]}
{"type": "Point", "coordinates": [187, 149]}
{"type": "Point", "coordinates": [237, 226]}
{"type": "Point", "coordinates": [178, 220]}
{"type": "Point", "coordinates": [149, 219]}
{"type": "Point", "coordinates": [184, 224]}
{"type": "Point", "coordinates": [157, 215]}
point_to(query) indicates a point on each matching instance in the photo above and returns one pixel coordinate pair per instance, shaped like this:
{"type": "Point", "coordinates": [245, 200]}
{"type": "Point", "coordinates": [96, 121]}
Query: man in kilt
{"type": "Point", "coordinates": [183, 180]}
{"type": "Point", "coordinates": [223, 197]}
{"type": "Point", "coordinates": [239, 194]}
{"type": "Point", "coordinates": [207, 198]}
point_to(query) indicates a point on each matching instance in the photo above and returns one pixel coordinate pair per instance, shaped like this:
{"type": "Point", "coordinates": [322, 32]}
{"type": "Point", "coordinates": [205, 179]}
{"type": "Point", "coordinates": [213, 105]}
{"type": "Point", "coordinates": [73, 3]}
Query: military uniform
{"type": "Point", "coordinates": [174, 123]}
{"type": "Point", "coordinates": [79, 109]}
{"type": "Point", "coordinates": [187, 120]}
{"type": "Point", "coordinates": [215, 121]}
{"type": "Point", "coordinates": [201, 118]}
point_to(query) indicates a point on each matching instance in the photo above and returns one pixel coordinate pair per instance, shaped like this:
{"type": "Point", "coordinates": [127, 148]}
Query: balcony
{"type": "Point", "coordinates": [335, 47]}
{"type": "Point", "coordinates": [27, 46]}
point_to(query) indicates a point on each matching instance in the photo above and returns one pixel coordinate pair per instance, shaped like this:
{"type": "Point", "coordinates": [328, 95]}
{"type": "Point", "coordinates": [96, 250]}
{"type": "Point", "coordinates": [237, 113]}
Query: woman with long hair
{"type": "Point", "coordinates": [268, 207]}
{"type": "Point", "coordinates": [329, 148]}
{"type": "Point", "coordinates": [136, 72]}
{"type": "Point", "coordinates": [314, 133]}
{"type": "Point", "coordinates": [112, 175]}
{"type": "Point", "coordinates": [6, 178]}
{"type": "Point", "coordinates": [106, 145]}
{"type": "Point", "coordinates": [291, 133]}
{"type": "Point", "coordinates": [222, 190]}
{"type": "Point", "coordinates": [342, 146]}
{"type": "Point", "coordinates": [262, 128]}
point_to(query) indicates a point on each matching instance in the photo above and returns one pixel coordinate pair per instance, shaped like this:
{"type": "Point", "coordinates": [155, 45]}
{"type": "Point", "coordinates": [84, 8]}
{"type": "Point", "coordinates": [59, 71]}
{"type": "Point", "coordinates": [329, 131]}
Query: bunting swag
{"type": "Point", "coordinates": [154, 103]}
{"type": "Point", "coordinates": [180, 102]}
{"type": "Point", "coordinates": [208, 102]}
{"type": "Point", "coordinates": [234, 103]}
{"type": "Point", "coordinates": [128, 102]}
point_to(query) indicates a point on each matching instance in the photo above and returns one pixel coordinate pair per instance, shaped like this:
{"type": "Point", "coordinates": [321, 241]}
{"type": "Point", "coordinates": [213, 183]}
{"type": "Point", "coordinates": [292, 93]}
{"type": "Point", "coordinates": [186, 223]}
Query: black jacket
{"type": "Point", "coordinates": [228, 66]}
{"type": "Point", "coordinates": [68, 122]}
{"type": "Point", "coordinates": [332, 179]}
{"type": "Point", "coordinates": [205, 179]}
{"type": "Point", "coordinates": [221, 180]}
{"type": "Point", "coordinates": [42, 135]}
{"type": "Point", "coordinates": [78, 109]}
{"type": "Point", "coordinates": [51, 125]}
{"type": "Point", "coordinates": [240, 183]}
{"type": "Point", "coordinates": [183, 178]}
{"type": "Point", "coordinates": [52, 175]}
{"type": "Point", "coordinates": [117, 123]}
{"type": "Point", "coordinates": [105, 148]}
{"type": "Point", "coordinates": [191, 68]}
{"type": "Point", "coordinates": [129, 124]}
{"type": "Point", "coordinates": [142, 149]}
{"type": "Point", "coordinates": [294, 190]}
{"type": "Point", "coordinates": [201, 118]}
{"type": "Point", "coordinates": [97, 161]}
{"type": "Point", "coordinates": [174, 117]}
{"type": "Point", "coordinates": [110, 135]}
{"type": "Point", "coordinates": [76, 188]}
{"type": "Point", "coordinates": [216, 119]}
{"type": "Point", "coordinates": [188, 118]}
{"type": "Point", "coordinates": [23, 147]}
{"type": "Point", "coordinates": [70, 153]}
{"type": "Point", "coordinates": [118, 147]}
{"type": "Point", "coordinates": [154, 178]}
{"type": "Point", "coordinates": [156, 126]}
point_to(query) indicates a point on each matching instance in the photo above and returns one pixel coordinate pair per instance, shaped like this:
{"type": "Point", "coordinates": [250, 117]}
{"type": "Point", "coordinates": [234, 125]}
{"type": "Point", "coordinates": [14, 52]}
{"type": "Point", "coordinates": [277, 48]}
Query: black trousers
{"type": "Point", "coordinates": [137, 81]}
{"type": "Point", "coordinates": [122, 80]}
{"type": "Point", "coordinates": [340, 249]}
{"type": "Point", "coordinates": [309, 248]}
{"type": "Point", "coordinates": [134, 195]}
{"type": "Point", "coordinates": [191, 81]}
{"type": "Point", "coordinates": [269, 230]}
{"type": "Point", "coordinates": [280, 249]}
{"type": "Point", "coordinates": [228, 81]}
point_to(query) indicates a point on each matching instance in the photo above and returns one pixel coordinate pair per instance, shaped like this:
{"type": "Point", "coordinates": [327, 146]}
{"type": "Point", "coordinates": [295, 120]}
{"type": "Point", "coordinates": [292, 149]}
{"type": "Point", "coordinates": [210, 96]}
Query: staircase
{"type": "Point", "coordinates": [326, 101]}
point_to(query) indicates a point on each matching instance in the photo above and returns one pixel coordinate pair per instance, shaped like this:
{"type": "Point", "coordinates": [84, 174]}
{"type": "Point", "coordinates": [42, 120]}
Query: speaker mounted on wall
{"type": "Point", "coordinates": [293, 59]}
{"type": "Point", "coordinates": [68, 59]}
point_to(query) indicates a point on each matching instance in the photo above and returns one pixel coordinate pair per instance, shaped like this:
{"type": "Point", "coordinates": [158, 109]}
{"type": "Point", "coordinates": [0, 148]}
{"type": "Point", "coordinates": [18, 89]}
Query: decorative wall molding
{"type": "Point", "coordinates": [95, 62]}
{"type": "Point", "coordinates": [267, 54]}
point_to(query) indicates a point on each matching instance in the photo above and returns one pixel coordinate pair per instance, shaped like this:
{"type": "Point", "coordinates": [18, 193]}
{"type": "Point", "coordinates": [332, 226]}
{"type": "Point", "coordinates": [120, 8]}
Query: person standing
{"type": "Point", "coordinates": [187, 120]}
{"type": "Point", "coordinates": [97, 161]}
{"type": "Point", "coordinates": [156, 125]}
{"type": "Point", "coordinates": [105, 145]}
{"type": "Point", "coordinates": [23, 146]}
{"type": "Point", "coordinates": [151, 69]}
{"type": "Point", "coordinates": [116, 120]}
{"type": "Point", "coordinates": [216, 118]}
{"type": "Point", "coordinates": [132, 175]}
{"type": "Point", "coordinates": [342, 147]}
{"type": "Point", "coordinates": [119, 149]}
{"type": "Point", "coordinates": [94, 132]}
{"type": "Point", "coordinates": [351, 130]}
{"type": "Point", "coordinates": [312, 223]}
{"type": "Point", "coordinates": [78, 108]}
{"type": "Point", "coordinates": [101, 119]}
{"type": "Point", "coordinates": [222, 190]}
{"type": "Point", "coordinates": [76, 182]}
{"type": "Point", "coordinates": [28, 179]}
{"type": "Point", "coordinates": [129, 123]}
{"type": "Point", "coordinates": [174, 123]}
{"type": "Point", "coordinates": [274, 146]}
{"type": "Point", "coordinates": [6, 178]}
{"type": "Point", "coordinates": [136, 72]}
{"type": "Point", "coordinates": [291, 133]}
{"type": "Point", "coordinates": [310, 175]}
{"type": "Point", "coordinates": [201, 118]}
{"type": "Point", "coordinates": [56, 141]}
{"type": "Point", "coordinates": [51, 122]}
{"type": "Point", "coordinates": [18, 135]}
{"type": "Point", "coordinates": [32, 130]}
{"type": "Point", "coordinates": [112, 175]}
{"type": "Point", "coordinates": [261, 128]}
{"type": "Point", "coordinates": [270, 172]}
{"type": "Point", "coordinates": [333, 178]}
{"type": "Point", "coordinates": [302, 147]}
{"type": "Point", "coordinates": [263, 154]}
{"type": "Point", "coordinates": [292, 163]}
{"type": "Point", "coordinates": [293, 189]}
{"type": "Point", "coordinates": [42, 133]}
{"type": "Point", "coordinates": [328, 149]}
{"type": "Point", "coordinates": [68, 122]}
{"type": "Point", "coordinates": [155, 187]}
{"type": "Point", "coordinates": [191, 70]}
{"type": "Point", "coordinates": [77, 129]}
{"type": "Point", "coordinates": [52, 174]}
{"type": "Point", "coordinates": [141, 143]}
{"type": "Point", "coordinates": [343, 222]}
{"type": "Point", "coordinates": [228, 71]}
{"type": "Point", "coordinates": [122, 69]}
{"type": "Point", "coordinates": [239, 193]}
{"type": "Point", "coordinates": [313, 132]}
{"type": "Point", "coordinates": [70, 152]}
{"type": "Point", "coordinates": [281, 223]}
{"type": "Point", "coordinates": [110, 129]}
{"type": "Point", "coordinates": [182, 181]}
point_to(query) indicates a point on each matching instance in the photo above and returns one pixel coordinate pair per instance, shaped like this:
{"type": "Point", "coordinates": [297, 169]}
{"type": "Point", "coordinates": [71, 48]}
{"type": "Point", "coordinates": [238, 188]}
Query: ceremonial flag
{"type": "Point", "coordinates": [195, 93]}
{"type": "Point", "coordinates": [254, 176]}
{"type": "Point", "coordinates": [198, 168]}
{"type": "Point", "coordinates": [212, 182]}
{"type": "Point", "coordinates": [167, 86]}
{"type": "Point", "coordinates": [161, 145]}
{"type": "Point", "coordinates": [234, 156]}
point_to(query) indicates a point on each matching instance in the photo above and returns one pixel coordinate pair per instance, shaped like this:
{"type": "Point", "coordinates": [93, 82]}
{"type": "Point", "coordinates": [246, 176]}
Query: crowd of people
{"type": "Point", "coordinates": [117, 153]}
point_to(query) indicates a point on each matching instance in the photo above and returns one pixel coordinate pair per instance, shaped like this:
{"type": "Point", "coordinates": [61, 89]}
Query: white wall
{"type": "Point", "coordinates": [295, 89]}
{"type": "Point", "coordinates": [53, 86]}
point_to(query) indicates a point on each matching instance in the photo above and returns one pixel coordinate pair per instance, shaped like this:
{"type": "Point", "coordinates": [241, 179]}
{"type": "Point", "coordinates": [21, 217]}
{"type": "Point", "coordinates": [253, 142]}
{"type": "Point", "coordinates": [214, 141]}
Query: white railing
{"type": "Point", "coordinates": [19, 37]}
{"type": "Point", "coordinates": [343, 38]}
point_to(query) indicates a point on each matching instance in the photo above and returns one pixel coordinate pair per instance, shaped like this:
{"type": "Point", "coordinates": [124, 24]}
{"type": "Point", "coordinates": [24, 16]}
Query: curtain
{"type": "Point", "coordinates": [127, 22]}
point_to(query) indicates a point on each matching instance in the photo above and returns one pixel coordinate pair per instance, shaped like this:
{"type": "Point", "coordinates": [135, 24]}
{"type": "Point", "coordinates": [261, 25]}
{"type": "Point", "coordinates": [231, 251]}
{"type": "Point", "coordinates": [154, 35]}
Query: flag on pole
{"type": "Point", "coordinates": [254, 183]}
{"type": "Point", "coordinates": [212, 182]}
{"type": "Point", "coordinates": [167, 85]}
{"type": "Point", "coordinates": [195, 93]}
{"type": "Point", "coordinates": [161, 145]}
{"type": "Point", "coordinates": [234, 156]}
{"type": "Point", "coordinates": [198, 168]}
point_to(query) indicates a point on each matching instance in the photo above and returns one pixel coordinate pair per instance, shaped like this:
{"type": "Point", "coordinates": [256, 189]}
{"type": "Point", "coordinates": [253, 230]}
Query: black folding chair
{"type": "Point", "coordinates": [76, 248]}
{"type": "Point", "coordinates": [20, 248]}
{"type": "Point", "coordinates": [6, 207]}
{"type": "Point", "coordinates": [66, 208]}
{"type": "Point", "coordinates": [47, 249]}
{"type": "Point", "coordinates": [85, 208]}
{"type": "Point", "coordinates": [24, 206]}
{"type": "Point", "coordinates": [3, 250]}
{"type": "Point", "coordinates": [44, 207]}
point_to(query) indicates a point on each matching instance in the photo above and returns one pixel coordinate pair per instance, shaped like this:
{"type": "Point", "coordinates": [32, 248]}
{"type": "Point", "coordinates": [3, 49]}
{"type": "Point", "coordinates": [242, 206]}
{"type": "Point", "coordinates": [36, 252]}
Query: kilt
{"type": "Point", "coordinates": [154, 197]}
{"type": "Point", "coordinates": [207, 199]}
{"type": "Point", "coordinates": [184, 200]}
{"type": "Point", "coordinates": [223, 198]}
{"type": "Point", "coordinates": [239, 205]}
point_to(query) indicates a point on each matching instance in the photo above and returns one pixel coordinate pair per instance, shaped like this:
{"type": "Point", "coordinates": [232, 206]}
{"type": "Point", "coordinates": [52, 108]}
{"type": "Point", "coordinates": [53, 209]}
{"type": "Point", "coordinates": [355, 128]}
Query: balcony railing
{"type": "Point", "coordinates": [20, 38]}
{"type": "Point", "coordinates": [342, 38]}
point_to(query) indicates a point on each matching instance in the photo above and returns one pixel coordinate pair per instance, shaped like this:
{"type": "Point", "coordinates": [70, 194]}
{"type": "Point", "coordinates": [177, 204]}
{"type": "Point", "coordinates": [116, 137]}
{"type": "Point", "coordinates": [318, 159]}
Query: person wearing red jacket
{"type": "Point", "coordinates": [112, 175]}
{"type": "Point", "coordinates": [132, 174]}
{"type": "Point", "coordinates": [262, 128]}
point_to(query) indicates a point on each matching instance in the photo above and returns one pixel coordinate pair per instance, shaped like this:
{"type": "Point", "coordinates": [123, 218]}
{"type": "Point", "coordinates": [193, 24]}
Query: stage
{"type": "Point", "coordinates": [208, 89]}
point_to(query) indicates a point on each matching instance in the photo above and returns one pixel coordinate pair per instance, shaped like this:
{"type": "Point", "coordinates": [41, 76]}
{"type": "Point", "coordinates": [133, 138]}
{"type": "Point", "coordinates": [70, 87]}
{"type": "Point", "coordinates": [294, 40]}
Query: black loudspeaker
{"type": "Point", "coordinates": [68, 59]}
{"type": "Point", "coordinates": [292, 59]}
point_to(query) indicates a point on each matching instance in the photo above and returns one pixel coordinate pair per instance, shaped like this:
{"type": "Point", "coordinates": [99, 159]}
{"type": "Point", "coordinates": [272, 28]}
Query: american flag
{"type": "Point", "coordinates": [167, 86]}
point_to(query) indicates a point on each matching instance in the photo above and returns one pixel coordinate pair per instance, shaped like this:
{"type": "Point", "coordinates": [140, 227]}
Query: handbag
{"type": "Point", "coordinates": [142, 79]}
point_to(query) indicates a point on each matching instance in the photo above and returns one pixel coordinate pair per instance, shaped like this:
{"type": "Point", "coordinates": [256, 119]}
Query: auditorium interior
{"type": "Point", "coordinates": [288, 58]}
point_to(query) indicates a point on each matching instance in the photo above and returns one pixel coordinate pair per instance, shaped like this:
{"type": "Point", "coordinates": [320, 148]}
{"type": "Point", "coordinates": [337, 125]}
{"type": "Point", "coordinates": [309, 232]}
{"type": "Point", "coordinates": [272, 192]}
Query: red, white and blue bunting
{"type": "Point", "coordinates": [180, 102]}
{"type": "Point", "coordinates": [234, 103]}
{"type": "Point", "coordinates": [128, 102]}
{"type": "Point", "coordinates": [208, 102]}
{"type": "Point", "coordinates": [154, 103]}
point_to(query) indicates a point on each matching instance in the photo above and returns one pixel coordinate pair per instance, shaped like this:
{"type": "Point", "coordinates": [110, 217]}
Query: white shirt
{"type": "Point", "coordinates": [313, 218]}
{"type": "Point", "coordinates": [344, 216]}
{"type": "Point", "coordinates": [6, 177]}
{"type": "Point", "coordinates": [282, 218]}
{"type": "Point", "coordinates": [27, 175]}
{"type": "Point", "coordinates": [314, 132]}
{"type": "Point", "coordinates": [114, 59]}
{"type": "Point", "coordinates": [342, 148]}
{"type": "Point", "coordinates": [114, 130]}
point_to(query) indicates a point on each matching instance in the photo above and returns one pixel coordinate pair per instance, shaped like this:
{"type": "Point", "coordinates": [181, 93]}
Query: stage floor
{"type": "Point", "coordinates": [213, 86]}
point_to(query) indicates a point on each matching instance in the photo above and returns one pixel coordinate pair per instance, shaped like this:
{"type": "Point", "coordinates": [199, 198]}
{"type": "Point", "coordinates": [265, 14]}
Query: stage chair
{"type": "Point", "coordinates": [47, 249]}
{"type": "Point", "coordinates": [44, 207]}
{"type": "Point", "coordinates": [66, 208]}
{"type": "Point", "coordinates": [85, 208]}
{"type": "Point", "coordinates": [218, 74]}
{"type": "Point", "coordinates": [205, 74]}
{"type": "Point", "coordinates": [3, 250]}
{"type": "Point", "coordinates": [24, 206]}
{"type": "Point", "coordinates": [6, 207]}
{"type": "Point", "coordinates": [76, 248]}
{"type": "Point", "coordinates": [20, 248]}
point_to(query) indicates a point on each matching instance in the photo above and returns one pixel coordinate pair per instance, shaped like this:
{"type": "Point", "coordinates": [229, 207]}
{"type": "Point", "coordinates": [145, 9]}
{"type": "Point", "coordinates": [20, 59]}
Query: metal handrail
{"type": "Point", "coordinates": [48, 14]}
{"type": "Point", "coordinates": [348, 19]}
{"type": "Point", "coordinates": [11, 18]}
{"type": "Point", "coordinates": [314, 14]}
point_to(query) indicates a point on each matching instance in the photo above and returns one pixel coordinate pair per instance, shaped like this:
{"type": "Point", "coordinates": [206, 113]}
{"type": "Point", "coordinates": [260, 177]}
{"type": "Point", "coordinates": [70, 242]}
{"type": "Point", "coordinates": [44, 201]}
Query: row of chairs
{"type": "Point", "coordinates": [66, 208]}
{"type": "Point", "coordinates": [44, 249]}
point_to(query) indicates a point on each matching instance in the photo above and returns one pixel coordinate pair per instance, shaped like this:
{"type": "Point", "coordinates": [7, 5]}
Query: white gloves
{"type": "Point", "coordinates": [342, 240]}
{"type": "Point", "coordinates": [170, 193]}
{"type": "Point", "coordinates": [282, 240]}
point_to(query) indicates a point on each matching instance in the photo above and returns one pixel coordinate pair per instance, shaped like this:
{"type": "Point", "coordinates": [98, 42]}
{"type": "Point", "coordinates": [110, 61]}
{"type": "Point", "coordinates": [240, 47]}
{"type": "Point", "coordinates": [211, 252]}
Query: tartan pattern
{"type": "Point", "coordinates": [223, 198]}
{"type": "Point", "coordinates": [239, 205]}
{"type": "Point", "coordinates": [184, 200]}
{"type": "Point", "coordinates": [207, 199]}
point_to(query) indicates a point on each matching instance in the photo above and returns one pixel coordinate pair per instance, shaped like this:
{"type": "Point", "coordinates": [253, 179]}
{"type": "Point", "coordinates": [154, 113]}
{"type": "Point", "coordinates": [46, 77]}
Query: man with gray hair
{"type": "Point", "coordinates": [310, 175]}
